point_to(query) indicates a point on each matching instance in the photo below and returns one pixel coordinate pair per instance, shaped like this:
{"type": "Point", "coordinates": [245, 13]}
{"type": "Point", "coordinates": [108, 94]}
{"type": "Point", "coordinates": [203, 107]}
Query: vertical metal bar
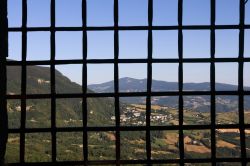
{"type": "Point", "coordinates": [23, 80]}
{"type": "Point", "coordinates": [241, 82]}
{"type": "Point", "coordinates": [84, 82]}
{"type": "Point", "coordinates": [3, 79]}
{"type": "Point", "coordinates": [180, 80]}
{"type": "Point", "coordinates": [116, 81]}
{"type": "Point", "coordinates": [52, 79]}
{"type": "Point", "coordinates": [212, 82]}
{"type": "Point", "coordinates": [149, 79]}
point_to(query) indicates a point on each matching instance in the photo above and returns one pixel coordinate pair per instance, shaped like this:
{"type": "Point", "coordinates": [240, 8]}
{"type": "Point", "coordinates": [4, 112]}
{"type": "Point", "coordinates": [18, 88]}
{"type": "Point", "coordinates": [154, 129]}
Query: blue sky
{"type": "Point", "coordinates": [133, 44]}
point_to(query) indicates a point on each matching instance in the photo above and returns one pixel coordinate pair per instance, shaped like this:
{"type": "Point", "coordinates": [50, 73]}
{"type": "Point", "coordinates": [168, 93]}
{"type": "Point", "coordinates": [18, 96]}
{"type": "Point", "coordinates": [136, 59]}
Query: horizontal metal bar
{"type": "Point", "coordinates": [132, 162]}
{"type": "Point", "coordinates": [126, 94]}
{"type": "Point", "coordinates": [128, 128]}
{"type": "Point", "coordinates": [120, 28]}
{"type": "Point", "coordinates": [99, 61]}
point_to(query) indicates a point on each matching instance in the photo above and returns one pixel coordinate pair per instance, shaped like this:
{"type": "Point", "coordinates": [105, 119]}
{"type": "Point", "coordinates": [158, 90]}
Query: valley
{"type": "Point", "coordinates": [101, 112]}
{"type": "Point", "coordinates": [101, 145]}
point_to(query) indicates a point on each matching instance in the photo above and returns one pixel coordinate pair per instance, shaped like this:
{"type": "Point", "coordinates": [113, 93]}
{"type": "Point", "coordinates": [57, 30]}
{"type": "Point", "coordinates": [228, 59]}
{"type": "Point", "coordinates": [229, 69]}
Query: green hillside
{"type": "Point", "coordinates": [38, 115]}
{"type": "Point", "coordinates": [68, 111]}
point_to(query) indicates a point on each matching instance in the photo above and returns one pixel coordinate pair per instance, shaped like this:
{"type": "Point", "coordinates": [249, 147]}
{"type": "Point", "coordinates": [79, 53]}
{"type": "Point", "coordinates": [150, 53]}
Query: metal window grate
{"type": "Point", "coordinates": [116, 61]}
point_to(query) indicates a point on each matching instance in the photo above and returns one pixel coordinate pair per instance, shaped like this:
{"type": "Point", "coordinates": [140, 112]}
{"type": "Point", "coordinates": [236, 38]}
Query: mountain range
{"type": "Point", "coordinates": [69, 111]}
{"type": "Point", "coordinates": [197, 103]}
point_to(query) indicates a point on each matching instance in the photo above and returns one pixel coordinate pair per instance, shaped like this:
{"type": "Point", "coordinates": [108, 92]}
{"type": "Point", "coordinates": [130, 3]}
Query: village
{"type": "Point", "coordinates": [135, 115]}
